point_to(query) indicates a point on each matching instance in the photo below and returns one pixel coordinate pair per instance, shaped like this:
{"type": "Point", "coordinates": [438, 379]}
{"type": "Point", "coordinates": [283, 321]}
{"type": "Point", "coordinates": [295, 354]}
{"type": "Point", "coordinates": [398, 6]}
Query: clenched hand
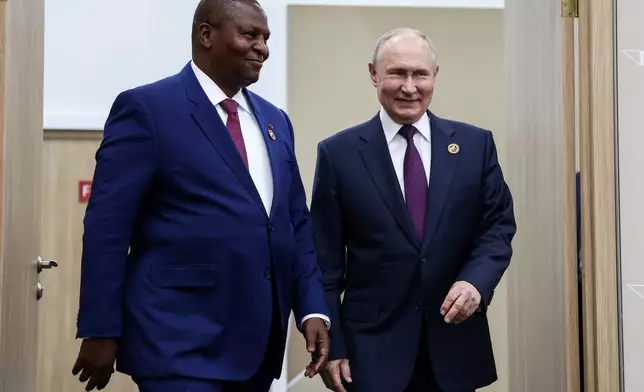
{"type": "Point", "coordinates": [95, 362]}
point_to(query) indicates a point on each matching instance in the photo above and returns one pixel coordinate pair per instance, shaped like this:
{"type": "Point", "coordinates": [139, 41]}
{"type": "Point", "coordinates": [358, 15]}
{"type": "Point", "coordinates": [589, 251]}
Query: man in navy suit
{"type": "Point", "coordinates": [197, 240]}
{"type": "Point", "coordinates": [413, 222]}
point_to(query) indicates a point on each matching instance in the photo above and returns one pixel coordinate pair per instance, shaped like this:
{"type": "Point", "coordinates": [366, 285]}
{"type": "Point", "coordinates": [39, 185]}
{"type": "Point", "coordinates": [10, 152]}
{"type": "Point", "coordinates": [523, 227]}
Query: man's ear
{"type": "Point", "coordinates": [373, 74]}
{"type": "Point", "coordinates": [206, 35]}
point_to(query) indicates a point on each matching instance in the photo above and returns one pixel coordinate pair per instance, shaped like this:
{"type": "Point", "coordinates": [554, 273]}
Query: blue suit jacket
{"type": "Point", "coordinates": [367, 248]}
{"type": "Point", "coordinates": [178, 248]}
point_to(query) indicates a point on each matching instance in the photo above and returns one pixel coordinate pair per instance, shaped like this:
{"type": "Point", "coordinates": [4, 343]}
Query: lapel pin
{"type": "Point", "coordinates": [453, 148]}
{"type": "Point", "coordinates": [270, 132]}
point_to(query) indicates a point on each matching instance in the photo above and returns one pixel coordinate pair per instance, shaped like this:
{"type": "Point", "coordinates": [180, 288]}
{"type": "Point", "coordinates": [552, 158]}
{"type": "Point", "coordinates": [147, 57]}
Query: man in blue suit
{"type": "Point", "coordinates": [413, 223]}
{"type": "Point", "coordinates": [197, 240]}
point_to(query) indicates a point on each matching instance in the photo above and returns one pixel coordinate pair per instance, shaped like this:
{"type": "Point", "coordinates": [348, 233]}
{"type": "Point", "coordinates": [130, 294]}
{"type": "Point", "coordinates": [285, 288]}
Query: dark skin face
{"type": "Point", "coordinates": [232, 54]}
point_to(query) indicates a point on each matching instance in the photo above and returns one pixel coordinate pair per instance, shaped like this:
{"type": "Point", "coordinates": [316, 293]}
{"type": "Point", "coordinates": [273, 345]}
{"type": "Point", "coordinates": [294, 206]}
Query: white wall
{"type": "Point", "coordinates": [96, 49]}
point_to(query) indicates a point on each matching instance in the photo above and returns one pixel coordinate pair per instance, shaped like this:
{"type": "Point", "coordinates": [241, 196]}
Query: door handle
{"type": "Point", "coordinates": [39, 291]}
{"type": "Point", "coordinates": [45, 264]}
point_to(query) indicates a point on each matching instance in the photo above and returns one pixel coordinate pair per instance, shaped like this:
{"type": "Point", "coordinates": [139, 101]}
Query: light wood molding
{"type": "Point", "coordinates": [598, 197]}
{"type": "Point", "coordinates": [571, 304]}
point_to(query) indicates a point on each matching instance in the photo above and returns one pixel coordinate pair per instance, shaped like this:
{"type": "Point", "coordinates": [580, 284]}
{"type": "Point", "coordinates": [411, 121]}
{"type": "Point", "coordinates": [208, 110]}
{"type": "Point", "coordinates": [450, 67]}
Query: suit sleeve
{"type": "Point", "coordinates": [329, 239]}
{"type": "Point", "coordinates": [309, 299]}
{"type": "Point", "coordinates": [125, 166]}
{"type": "Point", "coordinates": [492, 249]}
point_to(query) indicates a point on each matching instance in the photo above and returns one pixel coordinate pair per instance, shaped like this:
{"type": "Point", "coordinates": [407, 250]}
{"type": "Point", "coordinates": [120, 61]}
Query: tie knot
{"type": "Point", "coordinates": [229, 106]}
{"type": "Point", "coordinates": [408, 131]}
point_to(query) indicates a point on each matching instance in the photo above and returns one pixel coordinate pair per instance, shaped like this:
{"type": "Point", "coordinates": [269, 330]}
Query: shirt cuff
{"type": "Point", "coordinates": [327, 321]}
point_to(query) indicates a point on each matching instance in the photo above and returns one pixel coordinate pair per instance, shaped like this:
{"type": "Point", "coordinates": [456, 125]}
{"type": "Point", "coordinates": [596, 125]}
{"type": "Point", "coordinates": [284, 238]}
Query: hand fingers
{"type": "Point", "coordinates": [324, 345]}
{"type": "Point", "coordinates": [328, 382]}
{"type": "Point", "coordinates": [467, 311]}
{"type": "Point", "coordinates": [463, 315]}
{"type": "Point", "coordinates": [102, 383]}
{"type": "Point", "coordinates": [85, 375]}
{"type": "Point", "coordinates": [345, 370]}
{"type": "Point", "coordinates": [315, 365]}
{"type": "Point", "coordinates": [337, 381]}
{"type": "Point", "coordinates": [449, 300]}
{"type": "Point", "coordinates": [457, 307]}
{"type": "Point", "coordinates": [77, 367]}
{"type": "Point", "coordinates": [310, 337]}
{"type": "Point", "coordinates": [319, 354]}
{"type": "Point", "coordinates": [91, 384]}
{"type": "Point", "coordinates": [327, 375]}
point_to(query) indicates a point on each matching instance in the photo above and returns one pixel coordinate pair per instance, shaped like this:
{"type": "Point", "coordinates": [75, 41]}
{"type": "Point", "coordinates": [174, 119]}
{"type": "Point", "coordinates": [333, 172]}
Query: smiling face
{"type": "Point", "coordinates": [404, 76]}
{"type": "Point", "coordinates": [236, 49]}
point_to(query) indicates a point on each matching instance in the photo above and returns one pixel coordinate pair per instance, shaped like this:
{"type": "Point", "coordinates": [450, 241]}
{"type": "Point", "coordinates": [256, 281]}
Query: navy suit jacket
{"type": "Point", "coordinates": [367, 248]}
{"type": "Point", "coordinates": [178, 250]}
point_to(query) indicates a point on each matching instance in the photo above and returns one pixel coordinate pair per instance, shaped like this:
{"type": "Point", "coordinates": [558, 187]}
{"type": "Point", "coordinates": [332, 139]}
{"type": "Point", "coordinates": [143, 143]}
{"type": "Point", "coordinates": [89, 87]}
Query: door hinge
{"type": "Point", "coordinates": [569, 8]}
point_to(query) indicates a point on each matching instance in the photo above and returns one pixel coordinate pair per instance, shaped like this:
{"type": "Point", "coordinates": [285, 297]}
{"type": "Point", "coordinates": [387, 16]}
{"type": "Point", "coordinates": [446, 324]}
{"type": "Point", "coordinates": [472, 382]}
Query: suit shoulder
{"type": "Point", "coordinates": [346, 136]}
{"type": "Point", "coordinates": [468, 129]}
{"type": "Point", "coordinates": [161, 89]}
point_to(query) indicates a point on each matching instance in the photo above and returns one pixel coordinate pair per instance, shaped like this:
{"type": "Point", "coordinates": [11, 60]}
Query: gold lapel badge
{"type": "Point", "coordinates": [453, 148]}
{"type": "Point", "coordinates": [271, 134]}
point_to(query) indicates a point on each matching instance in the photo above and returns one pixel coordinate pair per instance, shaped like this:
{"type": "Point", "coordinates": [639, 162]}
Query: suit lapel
{"type": "Point", "coordinates": [271, 146]}
{"type": "Point", "coordinates": [377, 159]}
{"type": "Point", "coordinates": [441, 174]}
{"type": "Point", "coordinates": [206, 116]}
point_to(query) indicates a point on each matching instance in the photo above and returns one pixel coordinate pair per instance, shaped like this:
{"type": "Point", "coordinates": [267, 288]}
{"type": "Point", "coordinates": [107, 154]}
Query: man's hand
{"type": "Point", "coordinates": [461, 302]}
{"type": "Point", "coordinates": [317, 343]}
{"type": "Point", "coordinates": [96, 361]}
{"type": "Point", "coordinates": [333, 374]}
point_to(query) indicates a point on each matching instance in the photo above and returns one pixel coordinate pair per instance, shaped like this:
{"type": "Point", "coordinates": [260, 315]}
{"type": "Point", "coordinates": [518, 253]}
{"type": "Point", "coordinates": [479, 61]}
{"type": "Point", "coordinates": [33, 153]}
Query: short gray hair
{"type": "Point", "coordinates": [398, 32]}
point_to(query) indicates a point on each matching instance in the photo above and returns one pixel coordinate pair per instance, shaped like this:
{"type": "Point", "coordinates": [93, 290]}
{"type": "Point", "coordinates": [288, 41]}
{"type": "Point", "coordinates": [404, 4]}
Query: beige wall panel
{"type": "Point", "coordinates": [540, 177]}
{"type": "Point", "coordinates": [630, 97]}
{"type": "Point", "coordinates": [329, 90]}
{"type": "Point", "coordinates": [67, 158]}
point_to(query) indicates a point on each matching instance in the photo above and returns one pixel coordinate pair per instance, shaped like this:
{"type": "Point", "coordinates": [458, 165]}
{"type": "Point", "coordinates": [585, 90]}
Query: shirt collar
{"type": "Point", "coordinates": [391, 128]}
{"type": "Point", "coordinates": [214, 93]}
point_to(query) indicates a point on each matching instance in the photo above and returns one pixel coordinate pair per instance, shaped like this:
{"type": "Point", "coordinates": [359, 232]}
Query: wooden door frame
{"type": "Point", "coordinates": [570, 269]}
{"type": "Point", "coordinates": [599, 196]}
{"type": "Point", "coordinates": [21, 103]}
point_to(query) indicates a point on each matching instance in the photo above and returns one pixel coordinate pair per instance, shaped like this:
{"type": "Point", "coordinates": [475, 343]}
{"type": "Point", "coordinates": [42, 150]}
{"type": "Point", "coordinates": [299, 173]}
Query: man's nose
{"type": "Point", "coordinates": [261, 48]}
{"type": "Point", "coordinates": [409, 87]}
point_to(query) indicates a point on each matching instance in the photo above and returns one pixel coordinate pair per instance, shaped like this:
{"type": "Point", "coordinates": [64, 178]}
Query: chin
{"type": "Point", "coordinates": [410, 115]}
{"type": "Point", "coordinates": [251, 78]}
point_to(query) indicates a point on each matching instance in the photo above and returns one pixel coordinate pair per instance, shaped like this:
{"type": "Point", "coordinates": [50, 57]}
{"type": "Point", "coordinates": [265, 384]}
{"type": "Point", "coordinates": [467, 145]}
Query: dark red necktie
{"type": "Point", "coordinates": [234, 127]}
{"type": "Point", "coordinates": [415, 182]}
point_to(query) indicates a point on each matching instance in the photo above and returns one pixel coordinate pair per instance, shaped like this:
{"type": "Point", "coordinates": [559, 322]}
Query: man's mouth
{"type": "Point", "coordinates": [255, 62]}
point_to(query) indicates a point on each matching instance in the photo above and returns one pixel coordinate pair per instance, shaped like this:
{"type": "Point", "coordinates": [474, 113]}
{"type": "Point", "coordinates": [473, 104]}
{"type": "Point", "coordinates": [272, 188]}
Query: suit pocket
{"type": "Point", "coordinates": [360, 311]}
{"type": "Point", "coordinates": [183, 276]}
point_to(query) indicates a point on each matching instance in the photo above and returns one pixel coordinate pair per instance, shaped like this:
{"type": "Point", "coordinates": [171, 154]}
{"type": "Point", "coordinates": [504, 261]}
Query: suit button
{"type": "Point", "coordinates": [271, 228]}
{"type": "Point", "coordinates": [419, 305]}
{"type": "Point", "coordinates": [267, 274]}
{"type": "Point", "coordinates": [423, 259]}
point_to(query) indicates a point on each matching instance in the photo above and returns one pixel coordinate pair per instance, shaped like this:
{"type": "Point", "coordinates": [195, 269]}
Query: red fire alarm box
{"type": "Point", "coordinates": [84, 191]}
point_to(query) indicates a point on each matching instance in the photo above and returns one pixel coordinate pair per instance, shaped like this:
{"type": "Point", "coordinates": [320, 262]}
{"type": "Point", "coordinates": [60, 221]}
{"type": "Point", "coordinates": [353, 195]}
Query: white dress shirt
{"type": "Point", "coordinates": [259, 164]}
{"type": "Point", "coordinates": [398, 144]}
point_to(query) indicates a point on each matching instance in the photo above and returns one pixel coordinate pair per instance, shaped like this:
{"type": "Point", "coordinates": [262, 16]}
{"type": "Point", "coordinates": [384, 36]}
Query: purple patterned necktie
{"type": "Point", "coordinates": [415, 181]}
{"type": "Point", "coordinates": [234, 127]}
